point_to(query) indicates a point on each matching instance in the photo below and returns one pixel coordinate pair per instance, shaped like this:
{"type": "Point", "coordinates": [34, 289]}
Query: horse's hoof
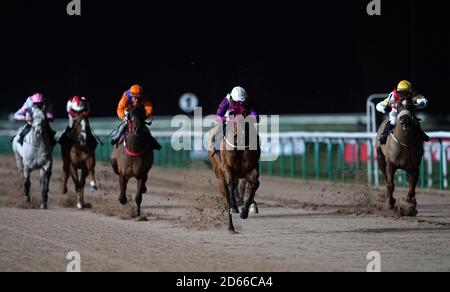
{"type": "Point", "coordinates": [232, 231]}
{"type": "Point", "coordinates": [64, 191]}
{"type": "Point", "coordinates": [254, 209]}
{"type": "Point", "coordinates": [244, 214]}
{"type": "Point", "coordinates": [140, 219]}
{"type": "Point", "coordinates": [44, 206]}
{"type": "Point", "coordinates": [123, 200]}
{"type": "Point", "coordinates": [93, 186]}
{"type": "Point", "coordinates": [407, 210]}
{"type": "Point", "coordinates": [26, 199]}
{"type": "Point", "coordinates": [410, 201]}
{"type": "Point", "coordinates": [144, 189]}
{"type": "Point", "coordinates": [79, 206]}
{"type": "Point", "coordinates": [234, 210]}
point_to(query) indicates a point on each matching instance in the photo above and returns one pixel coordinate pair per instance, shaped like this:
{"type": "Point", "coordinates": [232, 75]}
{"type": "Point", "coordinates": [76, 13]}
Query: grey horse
{"type": "Point", "coordinates": [36, 153]}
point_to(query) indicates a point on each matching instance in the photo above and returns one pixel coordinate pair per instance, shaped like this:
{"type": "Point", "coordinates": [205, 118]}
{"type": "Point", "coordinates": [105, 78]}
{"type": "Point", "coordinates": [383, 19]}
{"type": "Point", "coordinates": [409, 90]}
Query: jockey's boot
{"type": "Point", "coordinates": [52, 136]}
{"type": "Point", "coordinates": [23, 133]}
{"type": "Point", "coordinates": [154, 144]}
{"type": "Point", "coordinates": [65, 136]}
{"type": "Point", "coordinates": [119, 134]}
{"type": "Point", "coordinates": [387, 130]}
{"type": "Point", "coordinates": [423, 135]}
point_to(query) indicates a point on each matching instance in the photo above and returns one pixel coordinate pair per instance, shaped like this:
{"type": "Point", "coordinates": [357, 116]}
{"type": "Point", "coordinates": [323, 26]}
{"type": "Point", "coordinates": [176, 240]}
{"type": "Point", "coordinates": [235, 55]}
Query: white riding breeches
{"type": "Point", "coordinates": [393, 116]}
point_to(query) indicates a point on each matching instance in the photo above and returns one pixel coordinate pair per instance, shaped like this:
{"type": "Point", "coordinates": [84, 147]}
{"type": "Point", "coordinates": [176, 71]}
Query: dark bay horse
{"type": "Point", "coordinates": [239, 160]}
{"type": "Point", "coordinates": [133, 159]}
{"type": "Point", "coordinates": [403, 150]}
{"type": "Point", "coordinates": [78, 154]}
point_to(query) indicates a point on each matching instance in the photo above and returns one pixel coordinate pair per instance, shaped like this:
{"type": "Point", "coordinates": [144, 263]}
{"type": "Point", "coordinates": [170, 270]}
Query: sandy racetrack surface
{"type": "Point", "coordinates": [302, 226]}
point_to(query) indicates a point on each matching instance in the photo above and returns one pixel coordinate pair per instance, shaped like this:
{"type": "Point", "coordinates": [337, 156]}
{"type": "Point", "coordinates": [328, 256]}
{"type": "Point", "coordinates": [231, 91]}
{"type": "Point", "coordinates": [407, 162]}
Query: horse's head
{"type": "Point", "coordinates": [77, 133]}
{"type": "Point", "coordinates": [38, 119]}
{"type": "Point", "coordinates": [406, 119]}
{"type": "Point", "coordinates": [136, 121]}
{"type": "Point", "coordinates": [404, 101]}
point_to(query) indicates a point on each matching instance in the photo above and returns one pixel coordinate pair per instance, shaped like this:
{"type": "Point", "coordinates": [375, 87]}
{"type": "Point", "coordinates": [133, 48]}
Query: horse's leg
{"type": "Point", "coordinates": [382, 163]}
{"type": "Point", "coordinates": [76, 182]}
{"type": "Point", "coordinates": [223, 189]}
{"type": "Point", "coordinates": [113, 162]}
{"type": "Point", "coordinates": [138, 199]}
{"type": "Point", "coordinates": [66, 171]}
{"type": "Point", "coordinates": [254, 208]}
{"type": "Point", "coordinates": [26, 183]}
{"type": "Point", "coordinates": [240, 192]}
{"type": "Point", "coordinates": [123, 189]}
{"type": "Point", "coordinates": [413, 178]}
{"type": "Point", "coordinates": [410, 208]}
{"type": "Point", "coordinates": [253, 185]}
{"type": "Point", "coordinates": [90, 162]}
{"type": "Point", "coordinates": [232, 187]}
{"type": "Point", "coordinates": [46, 174]}
{"type": "Point", "coordinates": [382, 166]}
{"type": "Point", "coordinates": [390, 185]}
{"type": "Point", "coordinates": [232, 184]}
{"type": "Point", "coordinates": [19, 162]}
{"type": "Point", "coordinates": [82, 183]}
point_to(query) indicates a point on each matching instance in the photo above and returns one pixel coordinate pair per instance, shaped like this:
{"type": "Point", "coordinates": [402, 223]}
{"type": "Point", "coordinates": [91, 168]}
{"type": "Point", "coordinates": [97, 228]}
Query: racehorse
{"type": "Point", "coordinates": [36, 153]}
{"type": "Point", "coordinates": [78, 153]}
{"type": "Point", "coordinates": [133, 158]}
{"type": "Point", "coordinates": [403, 150]}
{"type": "Point", "coordinates": [238, 160]}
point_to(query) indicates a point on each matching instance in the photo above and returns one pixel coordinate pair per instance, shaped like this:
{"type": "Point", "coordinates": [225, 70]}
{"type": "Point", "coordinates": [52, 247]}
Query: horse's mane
{"type": "Point", "coordinates": [137, 113]}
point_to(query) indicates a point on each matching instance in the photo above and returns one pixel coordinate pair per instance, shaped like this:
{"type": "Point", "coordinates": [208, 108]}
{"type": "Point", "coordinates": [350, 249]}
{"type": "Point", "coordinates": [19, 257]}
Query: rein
{"type": "Point", "coordinates": [402, 144]}
{"type": "Point", "coordinates": [131, 153]}
{"type": "Point", "coordinates": [235, 146]}
{"type": "Point", "coordinates": [246, 147]}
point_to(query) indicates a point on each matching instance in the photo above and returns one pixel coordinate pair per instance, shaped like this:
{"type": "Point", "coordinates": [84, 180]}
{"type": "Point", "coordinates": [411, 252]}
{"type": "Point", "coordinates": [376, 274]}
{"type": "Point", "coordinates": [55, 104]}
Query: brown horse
{"type": "Point", "coordinates": [403, 150]}
{"type": "Point", "coordinates": [239, 159]}
{"type": "Point", "coordinates": [78, 153]}
{"type": "Point", "coordinates": [133, 159]}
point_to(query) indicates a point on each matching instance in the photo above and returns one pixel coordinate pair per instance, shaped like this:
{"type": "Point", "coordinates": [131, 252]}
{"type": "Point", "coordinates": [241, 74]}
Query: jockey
{"type": "Point", "coordinates": [235, 102]}
{"type": "Point", "coordinates": [78, 106]}
{"type": "Point", "coordinates": [404, 89]}
{"type": "Point", "coordinates": [132, 99]}
{"type": "Point", "coordinates": [25, 114]}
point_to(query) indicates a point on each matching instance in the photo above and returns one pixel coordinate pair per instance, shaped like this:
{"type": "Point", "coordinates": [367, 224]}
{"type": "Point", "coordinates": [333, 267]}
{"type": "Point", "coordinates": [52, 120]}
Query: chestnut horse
{"type": "Point", "coordinates": [78, 153]}
{"type": "Point", "coordinates": [403, 150]}
{"type": "Point", "coordinates": [239, 160]}
{"type": "Point", "coordinates": [133, 159]}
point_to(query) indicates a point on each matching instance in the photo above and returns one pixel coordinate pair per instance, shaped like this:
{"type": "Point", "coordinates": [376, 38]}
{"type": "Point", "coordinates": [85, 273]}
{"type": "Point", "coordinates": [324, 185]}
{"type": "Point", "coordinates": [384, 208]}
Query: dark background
{"type": "Point", "coordinates": [293, 57]}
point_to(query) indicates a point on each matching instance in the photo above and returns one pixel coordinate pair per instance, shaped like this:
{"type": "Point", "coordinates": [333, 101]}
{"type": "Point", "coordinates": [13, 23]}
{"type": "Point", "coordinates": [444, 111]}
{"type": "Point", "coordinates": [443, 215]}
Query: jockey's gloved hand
{"type": "Point", "coordinates": [28, 118]}
{"type": "Point", "coordinates": [126, 118]}
{"type": "Point", "coordinates": [381, 108]}
{"type": "Point", "coordinates": [421, 103]}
